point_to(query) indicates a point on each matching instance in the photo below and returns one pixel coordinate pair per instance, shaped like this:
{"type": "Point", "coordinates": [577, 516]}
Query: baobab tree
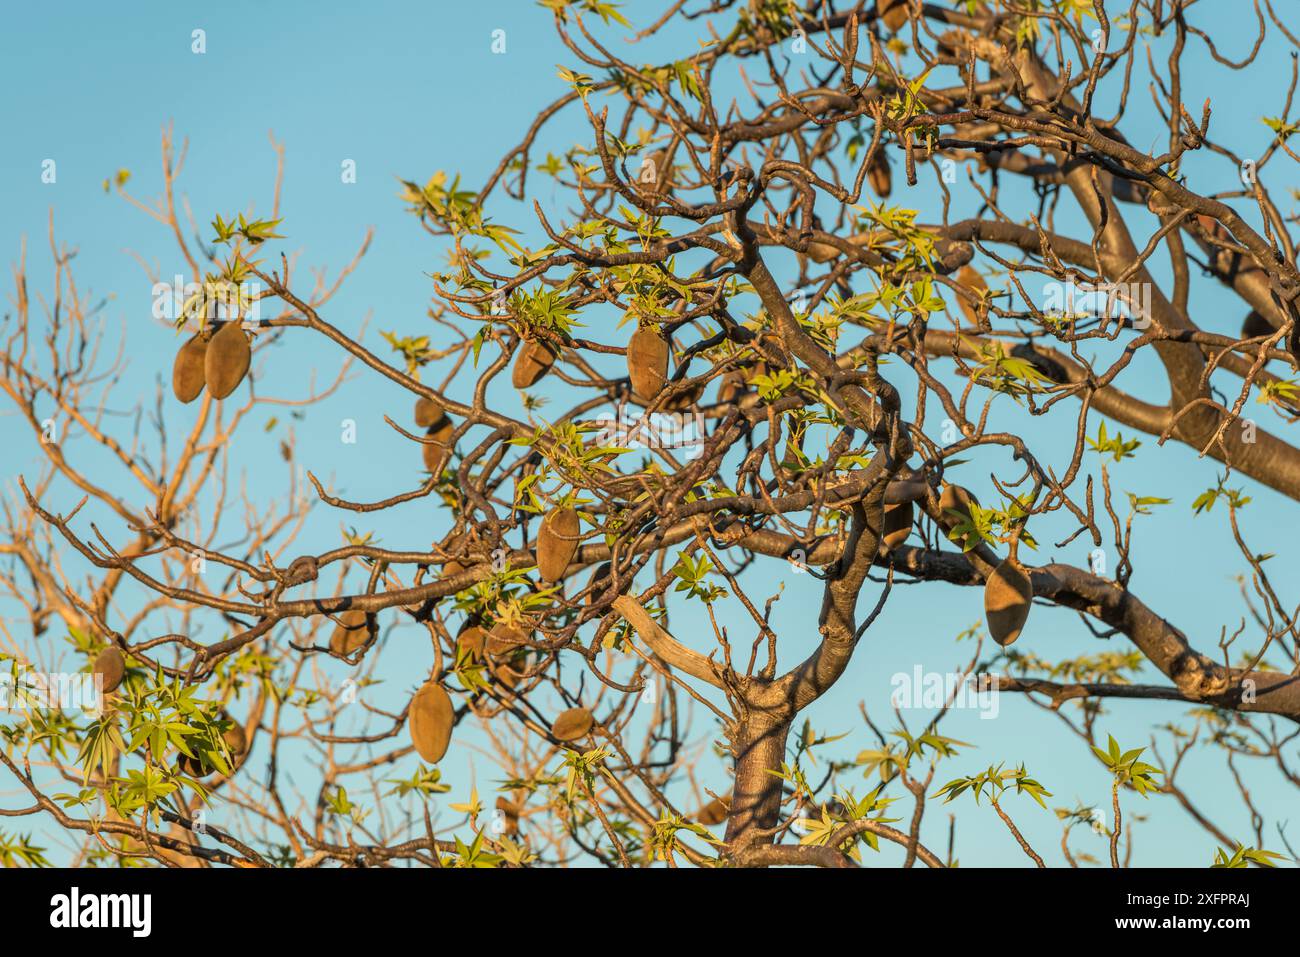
{"type": "Point", "coordinates": [737, 368]}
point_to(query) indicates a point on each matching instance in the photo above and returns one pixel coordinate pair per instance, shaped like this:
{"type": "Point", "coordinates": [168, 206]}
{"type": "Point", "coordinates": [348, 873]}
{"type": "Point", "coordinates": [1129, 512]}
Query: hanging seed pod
{"type": "Point", "coordinates": [897, 525]}
{"type": "Point", "coordinates": [1008, 595]}
{"type": "Point", "coordinates": [973, 281]}
{"type": "Point", "coordinates": [557, 543]}
{"type": "Point", "coordinates": [822, 252]}
{"type": "Point", "coordinates": [429, 722]}
{"type": "Point", "coordinates": [111, 666]}
{"type": "Point", "coordinates": [600, 582]}
{"type": "Point", "coordinates": [1255, 325]}
{"type": "Point", "coordinates": [954, 498]}
{"type": "Point", "coordinates": [647, 362]}
{"type": "Point", "coordinates": [505, 675]}
{"type": "Point", "coordinates": [510, 813]}
{"type": "Point", "coordinates": [226, 360]}
{"type": "Point", "coordinates": [351, 632]}
{"type": "Point", "coordinates": [534, 361]}
{"type": "Point", "coordinates": [427, 412]}
{"type": "Point", "coordinates": [472, 640]}
{"type": "Point", "coordinates": [655, 176]}
{"type": "Point", "coordinates": [236, 746]}
{"type": "Point", "coordinates": [188, 377]}
{"type": "Point", "coordinates": [893, 12]}
{"type": "Point", "coordinates": [505, 638]}
{"type": "Point", "coordinates": [715, 812]}
{"type": "Point", "coordinates": [572, 724]}
{"type": "Point", "coordinates": [878, 174]}
{"type": "Point", "coordinates": [438, 452]}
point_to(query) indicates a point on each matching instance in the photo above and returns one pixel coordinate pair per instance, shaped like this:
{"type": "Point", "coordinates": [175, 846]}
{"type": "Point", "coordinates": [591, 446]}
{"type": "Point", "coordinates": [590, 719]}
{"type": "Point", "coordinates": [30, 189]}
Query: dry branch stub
{"type": "Point", "coordinates": [429, 722]}
{"type": "Point", "coordinates": [188, 376]}
{"type": "Point", "coordinates": [557, 543]}
{"type": "Point", "coordinates": [226, 360]}
{"type": "Point", "coordinates": [1008, 595]}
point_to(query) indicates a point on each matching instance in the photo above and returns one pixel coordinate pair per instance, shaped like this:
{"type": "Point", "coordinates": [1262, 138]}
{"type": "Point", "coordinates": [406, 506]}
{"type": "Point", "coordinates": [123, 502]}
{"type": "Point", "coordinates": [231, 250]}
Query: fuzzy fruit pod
{"type": "Point", "coordinates": [534, 361]}
{"type": "Point", "coordinates": [572, 724]}
{"type": "Point", "coordinates": [715, 812]}
{"type": "Point", "coordinates": [236, 745]}
{"type": "Point", "coordinates": [472, 641]}
{"type": "Point", "coordinates": [973, 281]}
{"type": "Point", "coordinates": [1255, 325]}
{"type": "Point", "coordinates": [893, 12]}
{"type": "Point", "coordinates": [647, 362]}
{"type": "Point", "coordinates": [429, 721]}
{"type": "Point", "coordinates": [438, 452]}
{"type": "Point", "coordinates": [878, 174]}
{"type": "Point", "coordinates": [427, 412]}
{"type": "Point", "coordinates": [188, 377]}
{"type": "Point", "coordinates": [655, 176]}
{"type": "Point", "coordinates": [225, 363]}
{"type": "Point", "coordinates": [111, 666]}
{"type": "Point", "coordinates": [504, 638]}
{"type": "Point", "coordinates": [1008, 594]}
{"type": "Point", "coordinates": [897, 525]}
{"type": "Point", "coordinates": [351, 632]}
{"type": "Point", "coordinates": [954, 498]}
{"type": "Point", "coordinates": [557, 543]}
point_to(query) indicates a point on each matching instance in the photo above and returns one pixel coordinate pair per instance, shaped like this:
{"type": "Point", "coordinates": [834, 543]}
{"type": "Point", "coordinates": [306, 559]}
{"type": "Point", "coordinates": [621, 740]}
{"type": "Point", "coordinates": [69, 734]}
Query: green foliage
{"type": "Point", "coordinates": [995, 781]}
{"type": "Point", "coordinates": [1126, 767]}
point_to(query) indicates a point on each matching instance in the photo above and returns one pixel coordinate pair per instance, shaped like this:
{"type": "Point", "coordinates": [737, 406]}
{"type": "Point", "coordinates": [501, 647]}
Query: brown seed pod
{"type": "Point", "coordinates": [473, 641]}
{"type": "Point", "coordinates": [897, 525]}
{"type": "Point", "coordinates": [647, 362]}
{"type": "Point", "coordinates": [236, 746]}
{"type": "Point", "coordinates": [822, 252]}
{"type": "Point", "coordinates": [510, 812]}
{"type": "Point", "coordinates": [954, 498]}
{"type": "Point", "coordinates": [226, 360]}
{"type": "Point", "coordinates": [893, 12]}
{"type": "Point", "coordinates": [572, 724]}
{"type": "Point", "coordinates": [973, 281]}
{"type": "Point", "coordinates": [429, 722]}
{"type": "Point", "coordinates": [557, 543]}
{"type": "Point", "coordinates": [351, 632]}
{"type": "Point", "coordinates": [503, 638]}
{"type": "Point", "coordinates": [655, 174]}
{"type": "Point", "coordinates": [685, 400]}
{"type": "Point", "coordinates": [437, 452]}
{"type": "Point", "coordinates": [112, 666]}
{"type": "Point", "coordinates": [715, 812]}
{"type": "Point", "coordinates": [600, 582]}
{"type": "Point", "coordinates": [1255, 325]}
{"type": "Point", "coordinates": [534, 361]}
{"type": "Point", "coordinates": [505, 675]}
{"type": "Point", "coordinates": [188, 377]}
{"type": "Point", "coordinates": [427, 412]}
{"type": "Point", "coordinates": [878, 174]}
{"type": "Point", "coordinates": [1007, 598]}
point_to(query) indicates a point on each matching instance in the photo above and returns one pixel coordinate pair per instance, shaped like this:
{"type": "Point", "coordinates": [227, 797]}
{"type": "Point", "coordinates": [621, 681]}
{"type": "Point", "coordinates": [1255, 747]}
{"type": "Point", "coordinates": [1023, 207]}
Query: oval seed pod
{"type": "Point", "coordinates": [897, 525]}
{"type": "Point", "coordinates": [557, 543]}
{"type": "Point", "coordinates": [1008, 594]}
{"type": "Point", "coordinates": [973, 281]}
{"type": "Point", "coordinates": [1255, 325]}
{"type": "Point", "coordinates": [112, 667]}
{"type": "Point", "coordinates": [226, 360]}
{"type": "Point", "coordinates": [893, 12]}
{"type": "Point", "coordinates": [437, 452]}
{"type": "Point", "coordinates": [572, 724]}
{"type": "Point", "coordinates": [600, 582]}
{"type": "Point", "coordinates": [188, 377]}
{"type": "Point", "coordinates": [715, 812]}
{"type": "Point", "coordinates": [878, 174]}
{"type": "Point", "coordinates": [351, 632]}
{"type": "Point", "coordinates": [655, 175]}
{"type": "Point", "coordinates": [685, 400]}
{"type": "Point", "coordinates": [427, 412]}
{"type": "Point", "coordinates": [236, 746]}
{"type": "Point", "coordinates": [429, 721]}
{"type": "Point", "coordinates": [534, 361]}
{"type": "Point", "coordinates": [822, 252]}
{"type": "Point", "coordinates": [954, 498]}
{"type": "Point", "coordinates": [647, 362]}
{"type": "Point", "coordinates": [504, 638]}
{"type": "Point", "coordinates": [472, 640]}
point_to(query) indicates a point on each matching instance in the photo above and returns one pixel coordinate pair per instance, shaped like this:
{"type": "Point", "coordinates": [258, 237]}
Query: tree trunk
{"type": "Point", "coordinates": [759, 748]}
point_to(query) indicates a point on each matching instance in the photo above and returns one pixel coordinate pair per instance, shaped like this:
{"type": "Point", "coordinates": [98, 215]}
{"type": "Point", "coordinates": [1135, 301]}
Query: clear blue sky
{"type": "Point", "coordinates": [407, 88]}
